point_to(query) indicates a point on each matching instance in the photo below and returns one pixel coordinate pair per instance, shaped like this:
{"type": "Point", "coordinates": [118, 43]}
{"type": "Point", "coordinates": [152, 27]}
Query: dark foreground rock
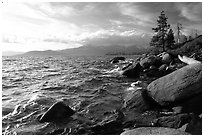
{"type": "Point", "coordinates": [178, 85]}
{"type": "Point", "coordinates": [154, 131]}
{"type": "Point", "coordinates": [194, 127]}
{"type": "Point", "coordinates": [138, 101]}
{"type": "Point", "coordinates": [112, 125]}
{"type": "Point", "coordinates": [173, 121]}
{"type": "Point", "coordinates": [133, 71]}
{"type": "Point", "coordinates": [56, 113]}
{"type": "Point", "coordinates": [190, 105]}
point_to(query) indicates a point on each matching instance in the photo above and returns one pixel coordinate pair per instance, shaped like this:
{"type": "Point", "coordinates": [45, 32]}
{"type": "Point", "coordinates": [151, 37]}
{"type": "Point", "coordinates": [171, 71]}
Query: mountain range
{"type": "Point", "coordinates": [84, 51]}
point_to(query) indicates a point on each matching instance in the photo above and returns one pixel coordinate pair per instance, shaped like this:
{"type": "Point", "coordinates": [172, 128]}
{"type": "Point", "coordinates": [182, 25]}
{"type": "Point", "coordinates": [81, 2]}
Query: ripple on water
{"type": "Point", "coordinates": [92, 86]}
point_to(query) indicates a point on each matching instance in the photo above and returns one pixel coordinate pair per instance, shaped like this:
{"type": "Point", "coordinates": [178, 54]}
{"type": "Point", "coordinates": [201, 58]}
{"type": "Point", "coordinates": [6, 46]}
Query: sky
{"type": "Point", "coordinates": [61, 25]}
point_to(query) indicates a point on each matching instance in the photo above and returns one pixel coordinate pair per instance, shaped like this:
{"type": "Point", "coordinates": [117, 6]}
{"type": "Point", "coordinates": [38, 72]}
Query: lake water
{"type": "Point", "coordinates": [92, 86]}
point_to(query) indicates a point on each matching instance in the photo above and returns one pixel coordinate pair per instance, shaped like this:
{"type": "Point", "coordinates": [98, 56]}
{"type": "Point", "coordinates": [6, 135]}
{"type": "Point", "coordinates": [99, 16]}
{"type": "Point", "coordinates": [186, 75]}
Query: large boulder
{"type": "Point", "coordinates": [57, 112]}
{"type": "Point", "coordinates": [178, 85]}
{"type": "Point", "coordinates": [138, 101]}
{"type": "Point", "coordinates": [117, 59]}
{"type": "Point", "coordinates": [135, 100]}
{"type": "Point", "coordinates": [154, 131]}
{"type": "Point", "coordinates": [132, 71]}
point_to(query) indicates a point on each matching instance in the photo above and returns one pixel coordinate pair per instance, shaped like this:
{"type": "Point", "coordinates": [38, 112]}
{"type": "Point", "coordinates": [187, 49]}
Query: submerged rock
{"type": "Point", "coordinates": [154, 131]}
{"type": "Point", "coordinates": [56, 112]}
{"type": "Point", "coordinates": [178, 85]}
{"type": "Point", "coordinates": [117, 59]}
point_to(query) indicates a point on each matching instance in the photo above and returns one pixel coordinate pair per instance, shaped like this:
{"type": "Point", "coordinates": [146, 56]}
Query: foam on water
{"type": "Point", "coordinates": [91, 86]}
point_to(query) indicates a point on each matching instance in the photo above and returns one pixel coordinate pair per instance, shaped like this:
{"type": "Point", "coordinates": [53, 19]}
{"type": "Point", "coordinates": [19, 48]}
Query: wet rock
{"type": "Point", "coordinates": [57, 112]}
{"type": "Point", "coordinates": [148, 61]}
{"type": "Point", "coordinates": [125, 67]}
{"type": "Point", "coordinates": [153, 72]}
{"type": "Point", "coordinates": [154, 131]}
{"type": "Point", "coordinates": [177, 109]}
{"type": "Point", "coordinates": [163, 67]}
{"type": "Point", "coordinates": [173, 121]}
{"type": "Point", "coordinates": [178, 85]}
{"type": "Point", "coordinates": [132, 71]}
{"type": "Point", "coordinates": [111, 125]}
{"type": "Point", "coordinates": [117, 59]}
{"type": "Point", "coordinates": [137, 119]}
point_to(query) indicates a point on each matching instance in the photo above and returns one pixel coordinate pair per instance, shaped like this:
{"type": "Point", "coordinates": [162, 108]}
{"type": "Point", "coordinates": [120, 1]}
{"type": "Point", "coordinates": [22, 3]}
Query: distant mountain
{"type": "Point", "coordinates": [11, 53]}
{"type": "Point", "coordinates": [42, 53]}
{"type": "Point", "coordinates": [90, 51]}
{"type": "Point", "coordinates": [103, 50]}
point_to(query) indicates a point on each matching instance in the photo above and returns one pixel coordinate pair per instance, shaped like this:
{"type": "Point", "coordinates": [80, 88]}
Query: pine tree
{"type": "Point", "coordinates": [169, 41]}
{"type": "Point", "coordinates": [161, 30]}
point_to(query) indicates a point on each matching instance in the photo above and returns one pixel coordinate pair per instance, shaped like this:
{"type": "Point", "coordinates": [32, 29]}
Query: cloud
{"type": "Point", "coordinates": [191, 11]}
{"type": "Point", "coordinates": [72, 24]}
{"type": "Point", "coordinates": [136, 12]}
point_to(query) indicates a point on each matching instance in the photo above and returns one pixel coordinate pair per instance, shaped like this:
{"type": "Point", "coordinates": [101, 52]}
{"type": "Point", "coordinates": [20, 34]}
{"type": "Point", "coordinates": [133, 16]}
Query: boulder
{"type": "Point", "coordinates": [173, 121]}
{"type": "Point", "coordinates": [163, 67]}
{"type": "Point", "coordinates": [178, 85]}
{"type": "Point", "coordinates": [148, 61]}
{"type": "Point", "coordinates": [138, 100]}
{"type": "Point", "coordinates": [116, 59]}
{"type": "Point", "coordinates": [154, 131]}
{"type": "Point", "coordinates": [57, 112]}
{"type": "Point", "coordinates": [132, 71]}
{"type": "Point", "coordinates": [135, 100]}
{"type": "Point", "coordinates": [166, 58]}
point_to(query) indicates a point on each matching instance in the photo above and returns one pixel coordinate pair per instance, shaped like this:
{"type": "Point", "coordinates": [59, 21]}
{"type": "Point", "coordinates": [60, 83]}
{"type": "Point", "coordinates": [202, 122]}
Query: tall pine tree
{"type": "Point", "coordinates": [169, 41]}
{"type": "Point", "coordinates": [161, 32]}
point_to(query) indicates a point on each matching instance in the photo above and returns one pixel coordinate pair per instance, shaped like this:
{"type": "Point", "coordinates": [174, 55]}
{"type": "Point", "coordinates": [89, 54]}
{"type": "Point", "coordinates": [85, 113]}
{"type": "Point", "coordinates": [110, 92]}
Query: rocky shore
{"type": "Point", "coordinates": [166, 99]}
